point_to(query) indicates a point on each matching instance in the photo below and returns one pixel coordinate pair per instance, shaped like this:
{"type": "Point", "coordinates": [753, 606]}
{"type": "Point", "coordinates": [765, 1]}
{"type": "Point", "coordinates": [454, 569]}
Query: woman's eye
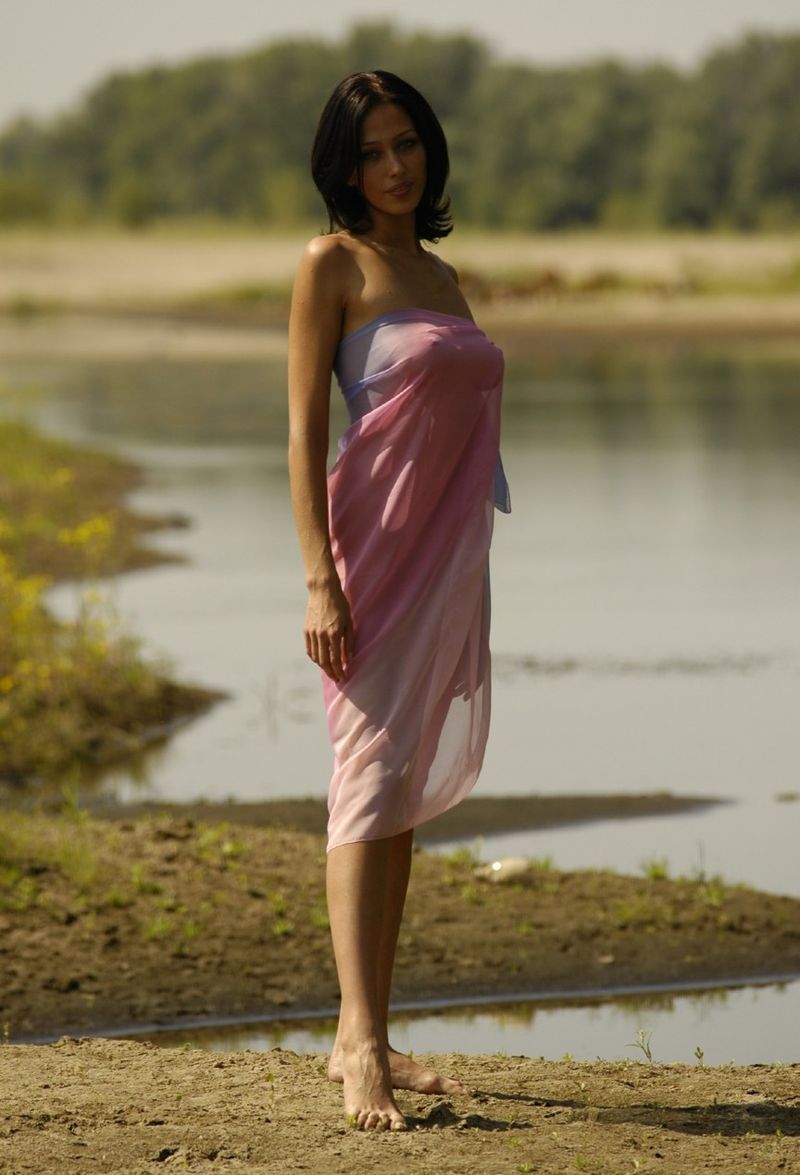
{"type": "Point", "coordinates": [408, 143]}
{"type": "Point", "coordinates": [368, 154]}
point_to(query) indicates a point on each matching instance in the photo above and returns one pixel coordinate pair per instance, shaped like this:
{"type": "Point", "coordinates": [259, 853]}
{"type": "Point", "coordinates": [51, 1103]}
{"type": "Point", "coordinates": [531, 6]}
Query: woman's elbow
{"type": "Point", "coordinates": [307, 440]}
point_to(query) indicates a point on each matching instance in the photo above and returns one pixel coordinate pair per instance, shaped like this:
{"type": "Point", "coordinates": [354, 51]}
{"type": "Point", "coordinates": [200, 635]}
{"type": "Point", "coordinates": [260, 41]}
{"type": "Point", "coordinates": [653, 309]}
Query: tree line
{"type": "Point", "coordinates": [601, 143]}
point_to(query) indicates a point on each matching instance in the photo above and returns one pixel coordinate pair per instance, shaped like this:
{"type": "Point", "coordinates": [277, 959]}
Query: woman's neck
{"type": "Point", "coordinates": [394, 233]}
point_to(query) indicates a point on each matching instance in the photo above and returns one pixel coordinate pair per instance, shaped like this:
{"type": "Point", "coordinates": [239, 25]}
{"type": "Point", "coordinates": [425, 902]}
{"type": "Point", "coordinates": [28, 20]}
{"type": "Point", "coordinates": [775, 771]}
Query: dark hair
{"type": "Point", "coordinates": [337, 151]}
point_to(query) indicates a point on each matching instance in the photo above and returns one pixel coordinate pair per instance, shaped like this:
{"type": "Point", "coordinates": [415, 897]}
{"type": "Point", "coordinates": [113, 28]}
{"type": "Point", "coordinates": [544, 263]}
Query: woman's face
{"type": "Point", "coordinates": [393, 160]}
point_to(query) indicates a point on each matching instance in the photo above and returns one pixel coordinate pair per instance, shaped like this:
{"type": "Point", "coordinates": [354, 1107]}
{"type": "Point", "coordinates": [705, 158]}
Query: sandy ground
{"type": "Point", "coordinates": [120, 267]}
{"type": "Point", "coordinates": [121, 1106]}
{"type": "Point", "coordinates": [126, 295]}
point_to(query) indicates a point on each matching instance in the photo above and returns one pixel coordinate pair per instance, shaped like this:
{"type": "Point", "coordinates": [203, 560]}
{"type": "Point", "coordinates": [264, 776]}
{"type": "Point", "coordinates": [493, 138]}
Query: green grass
{"type": "Point", "coordinates": [32, 853]}
{"type": "Point", "coordinates": [656, 869]}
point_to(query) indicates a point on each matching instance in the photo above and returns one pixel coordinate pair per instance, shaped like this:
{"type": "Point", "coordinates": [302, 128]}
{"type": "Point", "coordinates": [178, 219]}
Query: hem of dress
{"type": "Point", "coordinates": [407, 828]}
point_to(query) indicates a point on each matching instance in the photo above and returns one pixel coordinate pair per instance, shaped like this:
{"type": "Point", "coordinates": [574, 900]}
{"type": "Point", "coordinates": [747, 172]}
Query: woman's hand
{"type": "Point", "coordinates": [329, 629]}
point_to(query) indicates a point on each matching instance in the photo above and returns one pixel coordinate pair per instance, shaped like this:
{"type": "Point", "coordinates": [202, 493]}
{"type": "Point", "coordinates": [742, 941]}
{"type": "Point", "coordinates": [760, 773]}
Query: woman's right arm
{"type": "Point", "coordinates": [314, 328]}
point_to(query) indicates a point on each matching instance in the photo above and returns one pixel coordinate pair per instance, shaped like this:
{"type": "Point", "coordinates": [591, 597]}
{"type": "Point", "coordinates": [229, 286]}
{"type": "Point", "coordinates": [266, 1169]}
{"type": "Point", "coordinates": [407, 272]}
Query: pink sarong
{"type": "Point", "coordinates": [411, 510]}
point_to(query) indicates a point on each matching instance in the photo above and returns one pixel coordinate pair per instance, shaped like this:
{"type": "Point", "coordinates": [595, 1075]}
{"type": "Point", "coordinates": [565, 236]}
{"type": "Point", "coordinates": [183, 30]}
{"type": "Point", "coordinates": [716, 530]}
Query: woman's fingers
{"type": "Point", "coordinates": [329, 644]}
{"type": "Point", "coordinates": [338, 660]}
{"type": "Point", "coordinates": [323, 657]}
{"type": "Point", "coordinates": [324, 650]}
{"type": "Point", "coordinates": [325, 663]}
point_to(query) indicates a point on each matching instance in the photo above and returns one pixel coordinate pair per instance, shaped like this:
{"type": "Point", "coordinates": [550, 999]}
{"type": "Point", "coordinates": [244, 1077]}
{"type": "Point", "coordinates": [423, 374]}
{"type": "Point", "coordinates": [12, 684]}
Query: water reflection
{"type": "Point", "coordinates": [509, 665]}
{"type": "Point", "coordinates": [746, 1025]}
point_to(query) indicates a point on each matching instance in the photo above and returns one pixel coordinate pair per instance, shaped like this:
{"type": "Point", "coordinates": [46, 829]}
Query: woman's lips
{"type": "Point", "coordinates": [401, 189]}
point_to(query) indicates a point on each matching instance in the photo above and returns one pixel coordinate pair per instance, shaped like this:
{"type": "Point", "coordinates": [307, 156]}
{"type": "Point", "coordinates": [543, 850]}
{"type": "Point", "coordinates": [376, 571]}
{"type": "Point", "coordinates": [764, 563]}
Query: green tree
{"type": "Point", "coordinates": [531, 147]}
{"type": "Point", "coordinates": [130, 200]}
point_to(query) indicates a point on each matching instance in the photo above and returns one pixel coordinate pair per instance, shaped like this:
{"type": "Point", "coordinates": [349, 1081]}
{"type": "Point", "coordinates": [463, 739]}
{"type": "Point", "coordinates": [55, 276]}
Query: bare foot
{"type": "Point", "coordinates": [405, 1074]}
{"type": "Point", "coordinates": [368, 1100]}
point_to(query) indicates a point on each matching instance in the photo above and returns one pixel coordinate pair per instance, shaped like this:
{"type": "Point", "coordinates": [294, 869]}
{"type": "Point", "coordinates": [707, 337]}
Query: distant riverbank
{"type": "Point", "coordinates": [172, 289]}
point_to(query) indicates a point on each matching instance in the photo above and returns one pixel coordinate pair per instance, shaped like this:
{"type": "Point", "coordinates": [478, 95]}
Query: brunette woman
{"type": "Point", "coordinates": [394, 537]}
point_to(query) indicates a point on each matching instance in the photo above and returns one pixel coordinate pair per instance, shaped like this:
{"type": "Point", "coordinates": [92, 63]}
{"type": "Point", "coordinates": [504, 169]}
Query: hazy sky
{"type": "Point", "coordinates": [52, 51]}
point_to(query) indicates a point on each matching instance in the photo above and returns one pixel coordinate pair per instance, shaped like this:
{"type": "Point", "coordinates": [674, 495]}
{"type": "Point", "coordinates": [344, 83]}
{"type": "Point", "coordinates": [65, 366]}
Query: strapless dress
{"type": "Point", "coordinates": [412, 496]}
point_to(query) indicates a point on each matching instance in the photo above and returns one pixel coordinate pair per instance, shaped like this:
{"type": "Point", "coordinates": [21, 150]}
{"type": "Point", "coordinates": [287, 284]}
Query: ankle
{"type": "Point", "coordinates": [358, 1030]}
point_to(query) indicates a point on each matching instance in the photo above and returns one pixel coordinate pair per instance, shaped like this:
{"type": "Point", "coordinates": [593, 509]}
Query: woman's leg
{"type": "Point", "coordinates": [405, 1073]}
{"type": "Point", "coordinates": [398, 871]}
{"type": "Point", "coordinates": [357, 877]}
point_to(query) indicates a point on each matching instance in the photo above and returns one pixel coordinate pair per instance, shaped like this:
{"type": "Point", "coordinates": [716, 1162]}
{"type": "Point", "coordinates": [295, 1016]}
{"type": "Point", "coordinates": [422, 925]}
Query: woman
{"type": "Point", "coordinates": [394, 539]}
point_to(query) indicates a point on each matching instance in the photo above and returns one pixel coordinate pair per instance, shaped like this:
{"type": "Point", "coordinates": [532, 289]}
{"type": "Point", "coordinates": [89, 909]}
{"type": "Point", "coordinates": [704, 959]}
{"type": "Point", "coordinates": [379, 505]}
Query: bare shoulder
{"type": "Point", "coordinates": [324, 253]}
{"type": "Point", "coordinates": [448, 268]}
{"type": "Point", "coordinates": [451, 269]}
{"type": "Point", "coordinates": [321, 279]}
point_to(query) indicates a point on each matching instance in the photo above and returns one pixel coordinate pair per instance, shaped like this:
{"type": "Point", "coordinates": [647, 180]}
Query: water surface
{"type": "Point", "coordinates": [749, 1025]}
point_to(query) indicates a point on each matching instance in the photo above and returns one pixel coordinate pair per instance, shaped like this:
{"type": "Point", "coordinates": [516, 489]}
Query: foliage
{"type": "Point", "coordinates": [532, 147]}
{"type": "Point", "coordinates": [68, 691]}
{"type": "Point", "coordinates": [75, 691]}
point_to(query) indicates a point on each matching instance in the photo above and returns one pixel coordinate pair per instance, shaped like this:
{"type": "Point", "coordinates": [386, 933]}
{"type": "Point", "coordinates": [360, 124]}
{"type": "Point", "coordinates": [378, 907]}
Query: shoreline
{"type": "Point", "coordinates": [158, 919]}
{"type": "Point", "coordinates": [574, 997]}
{"type": "Point", "coordinates": [184, 290]}
{"type": "Point", "coordinates": [474, 817]}
{"type": "Point", "coordinates": [519, 326]}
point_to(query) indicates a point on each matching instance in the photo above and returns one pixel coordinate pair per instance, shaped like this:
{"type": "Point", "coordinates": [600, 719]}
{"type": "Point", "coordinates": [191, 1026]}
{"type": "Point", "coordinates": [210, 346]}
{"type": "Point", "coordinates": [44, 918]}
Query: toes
{"type": "Point", "coordinates": [454, 1085]}
{"type": "Point", "coordinates": [377, 1120]}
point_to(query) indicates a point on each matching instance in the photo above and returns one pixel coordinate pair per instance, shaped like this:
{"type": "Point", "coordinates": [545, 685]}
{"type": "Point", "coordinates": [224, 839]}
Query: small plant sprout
{"type": "Point", "coordinates": [656, 869]}
{"type": "Point", "coordinates": [642, 1042]}
{"type": "Point", "coordinates": [698, 1052]}
{"type": "Point", "coordinates": [699, 872]}
{"type": "Point", "coordinates": [271, 1098]}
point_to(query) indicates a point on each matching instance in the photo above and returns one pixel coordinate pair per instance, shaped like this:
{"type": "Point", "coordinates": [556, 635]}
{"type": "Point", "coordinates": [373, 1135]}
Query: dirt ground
{"type": "Point", "coordinates": [116, 924]}
{"type": "Point", "coordinates": [122, 1106]}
